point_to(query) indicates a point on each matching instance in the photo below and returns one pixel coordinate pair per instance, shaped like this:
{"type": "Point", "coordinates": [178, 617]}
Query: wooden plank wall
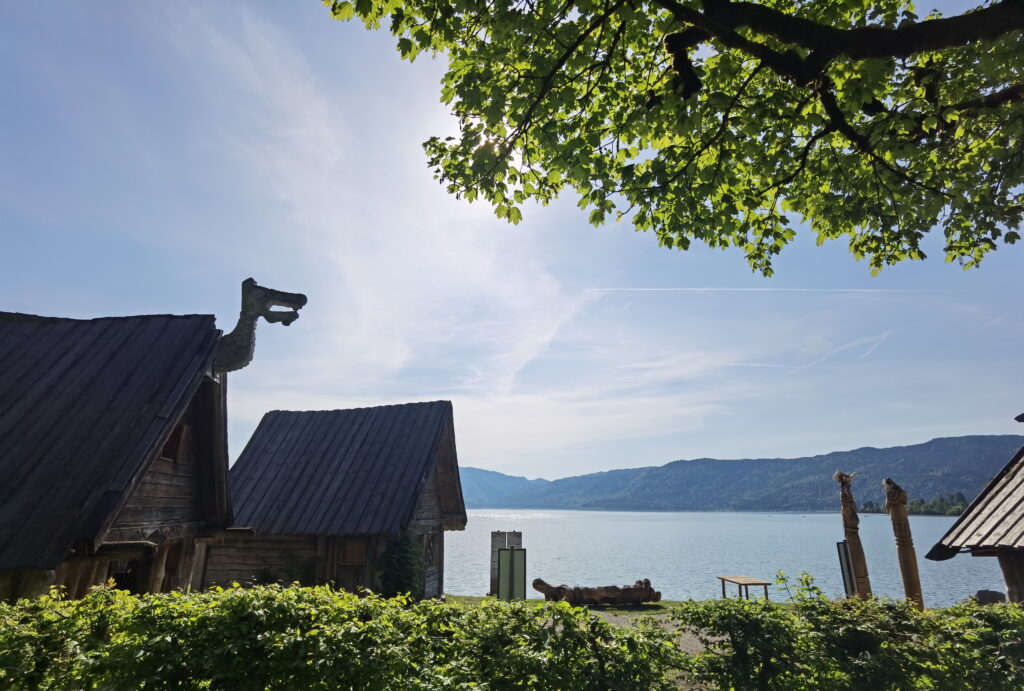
{"type": "Point", "coordinates": [344, 575]}
{"type": "Point", "coordinates": [449, 489]}
{"type": "Point", "coordinates": [169, 492]}
{"type": "Point", "coordinates": [261, 559]}
{"type": "Point", "coordinates": [427, 522]}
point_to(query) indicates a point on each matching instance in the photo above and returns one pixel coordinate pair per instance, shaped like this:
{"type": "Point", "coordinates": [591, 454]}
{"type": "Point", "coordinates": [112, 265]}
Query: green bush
{"type": "Point", "coordinates": [817, 643]}
{"type": "Point", "coordinates": [318, 638]}
{"type": "Point", "coordinates": [402, 567]}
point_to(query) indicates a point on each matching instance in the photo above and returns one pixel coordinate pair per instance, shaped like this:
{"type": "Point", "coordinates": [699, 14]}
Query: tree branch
{"type": "Point", "coordinates": [721, 20]}
{"type": "Point", "coordinates": [838, 120]}
{"type": "Point", "coordinates": [984, 24]}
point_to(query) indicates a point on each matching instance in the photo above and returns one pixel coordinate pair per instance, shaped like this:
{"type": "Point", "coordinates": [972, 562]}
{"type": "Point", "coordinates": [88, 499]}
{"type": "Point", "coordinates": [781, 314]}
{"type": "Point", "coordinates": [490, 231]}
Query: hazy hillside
{"type": "Point", "coordinates": [484, 488]}
{"type": "Point", "coordinates": [941, 466]}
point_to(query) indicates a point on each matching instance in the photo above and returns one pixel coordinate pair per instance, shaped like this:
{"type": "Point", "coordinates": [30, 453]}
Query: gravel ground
{"type": "Point", "coordinates": [687, 642]}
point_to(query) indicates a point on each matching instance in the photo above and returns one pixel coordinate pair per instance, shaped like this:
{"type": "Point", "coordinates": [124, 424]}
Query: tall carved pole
{"type": "Point", "coordinates": [851, 527]}
{"type": "Point", "coordinates": [896, 506]}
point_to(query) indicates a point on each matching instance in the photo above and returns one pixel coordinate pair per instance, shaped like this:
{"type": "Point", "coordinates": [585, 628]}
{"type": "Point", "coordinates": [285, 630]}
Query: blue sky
{"type": "Point", "coordinates": [154, 155]}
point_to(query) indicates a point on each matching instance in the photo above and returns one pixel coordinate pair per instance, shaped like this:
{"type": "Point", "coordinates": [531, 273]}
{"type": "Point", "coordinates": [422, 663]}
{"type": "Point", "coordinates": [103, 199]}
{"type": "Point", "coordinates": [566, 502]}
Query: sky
{"type": "Point", "coordinates": [154, 155]}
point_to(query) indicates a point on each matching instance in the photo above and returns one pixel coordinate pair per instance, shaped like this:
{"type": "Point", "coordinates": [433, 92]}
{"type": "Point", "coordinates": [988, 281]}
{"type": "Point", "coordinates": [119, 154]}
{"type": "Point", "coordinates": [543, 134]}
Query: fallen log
{"type": "Point", "coordinates": [639, 592]}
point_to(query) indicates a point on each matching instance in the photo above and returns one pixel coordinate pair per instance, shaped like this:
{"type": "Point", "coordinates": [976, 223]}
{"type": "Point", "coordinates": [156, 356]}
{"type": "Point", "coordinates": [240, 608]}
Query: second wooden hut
{"type": "Point", "coordinates": [329, 495]}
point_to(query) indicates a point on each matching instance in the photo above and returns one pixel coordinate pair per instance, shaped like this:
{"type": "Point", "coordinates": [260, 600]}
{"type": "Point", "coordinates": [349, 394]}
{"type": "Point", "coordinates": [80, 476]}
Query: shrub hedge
{"type": "Point", "coordinates": [818, 643]}
{"type": "Point", "coordinates": [318, 638]}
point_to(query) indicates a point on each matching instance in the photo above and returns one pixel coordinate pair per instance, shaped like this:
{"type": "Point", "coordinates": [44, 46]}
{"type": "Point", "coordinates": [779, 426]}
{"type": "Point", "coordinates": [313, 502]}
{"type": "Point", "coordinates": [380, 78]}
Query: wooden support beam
{"type": "Point", "coordinates": [1011, 562]}
{"type": "Point", "coordinates": [197, 573]}
{"type": "Point", "coordinates": [158, 570]}
{"type": "Point", "coordinates": [86, 577]}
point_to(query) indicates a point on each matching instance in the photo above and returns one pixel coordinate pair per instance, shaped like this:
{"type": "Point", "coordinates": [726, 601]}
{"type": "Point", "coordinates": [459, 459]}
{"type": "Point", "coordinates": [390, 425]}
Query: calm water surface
{"type": "Point", "coordinates": [682, 553]}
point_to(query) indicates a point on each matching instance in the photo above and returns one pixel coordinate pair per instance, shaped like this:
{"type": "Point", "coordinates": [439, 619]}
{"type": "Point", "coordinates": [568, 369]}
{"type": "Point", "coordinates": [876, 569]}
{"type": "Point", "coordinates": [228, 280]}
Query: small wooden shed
{"type": "Point", "coordinates": [112, 451]}
{"type": "Point", "coordinates": [993, 526]}
{"type": "Point", "coordinates": [327, 492]}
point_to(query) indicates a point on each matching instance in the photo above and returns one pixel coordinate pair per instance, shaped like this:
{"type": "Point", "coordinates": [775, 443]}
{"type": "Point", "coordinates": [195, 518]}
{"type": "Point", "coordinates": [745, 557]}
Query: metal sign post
{"type": "Point", "coordinates": [846, 567]}
{"type": "Point", "coordinates": [511, 574]}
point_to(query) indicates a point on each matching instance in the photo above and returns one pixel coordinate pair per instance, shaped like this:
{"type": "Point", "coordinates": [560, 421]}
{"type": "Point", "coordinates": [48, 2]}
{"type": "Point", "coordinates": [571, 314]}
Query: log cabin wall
{"type": "Point", "coordinates": [350, 562]}
{"type": "Point", "coordinates": [167, 497]}
{"type": "Point", "coordinates": [446, 477]}
{"type": "Point", "coordinates": [261, 559]}
{"type": "Point", "coordinates": [346, 562]}
{"type": "Point", "coordinates": [427, 522]}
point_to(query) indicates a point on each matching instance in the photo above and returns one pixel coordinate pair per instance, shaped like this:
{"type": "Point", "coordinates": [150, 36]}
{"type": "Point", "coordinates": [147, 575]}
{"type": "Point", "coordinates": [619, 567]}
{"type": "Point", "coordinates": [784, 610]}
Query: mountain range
{"type": "Point", "coordinates": [939, 467]}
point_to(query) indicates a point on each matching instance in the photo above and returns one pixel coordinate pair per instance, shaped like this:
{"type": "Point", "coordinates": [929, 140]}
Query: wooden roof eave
{"type": "Point", "coordinates": [942, 551]}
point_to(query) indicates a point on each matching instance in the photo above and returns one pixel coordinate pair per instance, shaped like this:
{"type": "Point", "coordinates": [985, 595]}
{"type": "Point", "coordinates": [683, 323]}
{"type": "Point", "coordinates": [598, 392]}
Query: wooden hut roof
{"type": "Point", "coordinates": [84, 407]}
{"type": "Point", "coordinates": [995, 520]}
{"type": "Point", "coordinates": [343, 472]}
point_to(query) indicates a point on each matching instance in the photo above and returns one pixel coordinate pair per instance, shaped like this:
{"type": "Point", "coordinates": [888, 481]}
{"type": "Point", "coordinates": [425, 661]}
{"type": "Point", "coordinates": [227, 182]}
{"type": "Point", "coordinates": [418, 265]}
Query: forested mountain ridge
{"type": "Point", "coordinates": [938, 467]}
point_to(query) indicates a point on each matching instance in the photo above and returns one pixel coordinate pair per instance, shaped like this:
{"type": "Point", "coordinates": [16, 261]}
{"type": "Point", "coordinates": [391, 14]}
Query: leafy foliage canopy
{"type": "Point", "coordinates": [724, 122]}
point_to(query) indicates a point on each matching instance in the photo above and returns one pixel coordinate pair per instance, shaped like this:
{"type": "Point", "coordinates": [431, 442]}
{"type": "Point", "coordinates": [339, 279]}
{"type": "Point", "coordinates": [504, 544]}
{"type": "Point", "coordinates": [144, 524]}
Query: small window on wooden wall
{"type": "Point", "coordinates": [352, 553]}
{"type": "Point", "coordinates": [174, 447]}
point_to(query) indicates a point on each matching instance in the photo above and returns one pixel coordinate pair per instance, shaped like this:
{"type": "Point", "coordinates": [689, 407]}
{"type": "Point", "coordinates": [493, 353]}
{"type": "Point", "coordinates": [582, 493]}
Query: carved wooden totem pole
{"type": "Point", "coordinates": [851, 528]}
{"type": "Point", "coordinates": [896, 506]}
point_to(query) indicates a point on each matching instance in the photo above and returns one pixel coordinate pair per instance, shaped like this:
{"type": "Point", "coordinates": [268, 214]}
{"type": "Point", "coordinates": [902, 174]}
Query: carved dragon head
{"type": "Point", "coordinates": [236, 349]}
{"type": "Point", "coordinates": [259, 300]}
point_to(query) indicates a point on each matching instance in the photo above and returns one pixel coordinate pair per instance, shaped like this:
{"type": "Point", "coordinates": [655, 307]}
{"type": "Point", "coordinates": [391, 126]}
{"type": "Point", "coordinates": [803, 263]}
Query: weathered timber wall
{"type": "Point", "coordinates": [449, 489]}
{"type": "Point", "coordinates": [428, 524]}
{"type": "Point", "coordinates": [262, 559]}
{"type": "Point", "coordinates": [349, 563]}
{"type": "Point", "coordinates": [169, 492]}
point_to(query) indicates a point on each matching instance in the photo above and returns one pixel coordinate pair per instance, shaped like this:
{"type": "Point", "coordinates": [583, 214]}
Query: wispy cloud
{"type": "Point", "coordinates": [404, 280]}
{"type": "Point", "coordinates": [871, 341]}
{"type": "Point", "coordinates": [993, 322]}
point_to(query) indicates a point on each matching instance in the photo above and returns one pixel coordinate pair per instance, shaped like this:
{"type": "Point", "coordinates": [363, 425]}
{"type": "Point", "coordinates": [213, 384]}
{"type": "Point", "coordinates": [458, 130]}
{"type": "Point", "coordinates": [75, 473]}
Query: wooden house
{"type": "Point", "coordinates": [327, 492]}
{"type": "Point", "coordinates": [993, 526]}
{"type": "Point", "coordinates": [113, 452]}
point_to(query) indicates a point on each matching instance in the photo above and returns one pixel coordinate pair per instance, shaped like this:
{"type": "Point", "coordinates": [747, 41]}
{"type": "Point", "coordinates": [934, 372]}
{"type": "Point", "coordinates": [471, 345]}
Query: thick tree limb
{"type": "Point", "coordinates": [1011, 94]}
{"type": "Point", "coordinates": [825, 43]}
{"type": "Point", "coordinates": [984, 24]}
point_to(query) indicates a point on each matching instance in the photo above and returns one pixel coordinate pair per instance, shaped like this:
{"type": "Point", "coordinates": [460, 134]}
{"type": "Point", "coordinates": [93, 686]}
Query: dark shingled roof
{"type": "Point", "coordinates": [338, 472]}
{"type": "Point", "coordinates": [995, 520]}
{"type": "Point", "coordinates": [84, 408]}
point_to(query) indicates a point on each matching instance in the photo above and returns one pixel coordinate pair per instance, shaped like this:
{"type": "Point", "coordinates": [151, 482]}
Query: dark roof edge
{"type": "Point", "coordinates": [23, 317]}
{"type": "Point", "coordinates": [941, 551]}
{"type": "Point", "coordinates": [365, 407]}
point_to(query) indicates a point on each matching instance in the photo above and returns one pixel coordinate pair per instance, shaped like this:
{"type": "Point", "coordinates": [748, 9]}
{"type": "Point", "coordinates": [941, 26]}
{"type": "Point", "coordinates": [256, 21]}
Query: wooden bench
{"type": "Point", "coordinates": [743, 584]}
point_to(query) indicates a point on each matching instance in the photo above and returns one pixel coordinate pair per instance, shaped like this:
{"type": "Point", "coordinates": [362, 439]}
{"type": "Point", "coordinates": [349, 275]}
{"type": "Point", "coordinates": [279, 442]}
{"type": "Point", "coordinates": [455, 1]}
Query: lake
{"type": "Point", "coordinates": [682, 553]}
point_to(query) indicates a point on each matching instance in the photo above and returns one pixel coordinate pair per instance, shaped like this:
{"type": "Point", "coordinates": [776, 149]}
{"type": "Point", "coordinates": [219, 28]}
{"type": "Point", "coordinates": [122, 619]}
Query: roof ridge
{"type": "Point", "coordinates": [22, 316]}
{"type": "Point", "coordinates": [368, 407]}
